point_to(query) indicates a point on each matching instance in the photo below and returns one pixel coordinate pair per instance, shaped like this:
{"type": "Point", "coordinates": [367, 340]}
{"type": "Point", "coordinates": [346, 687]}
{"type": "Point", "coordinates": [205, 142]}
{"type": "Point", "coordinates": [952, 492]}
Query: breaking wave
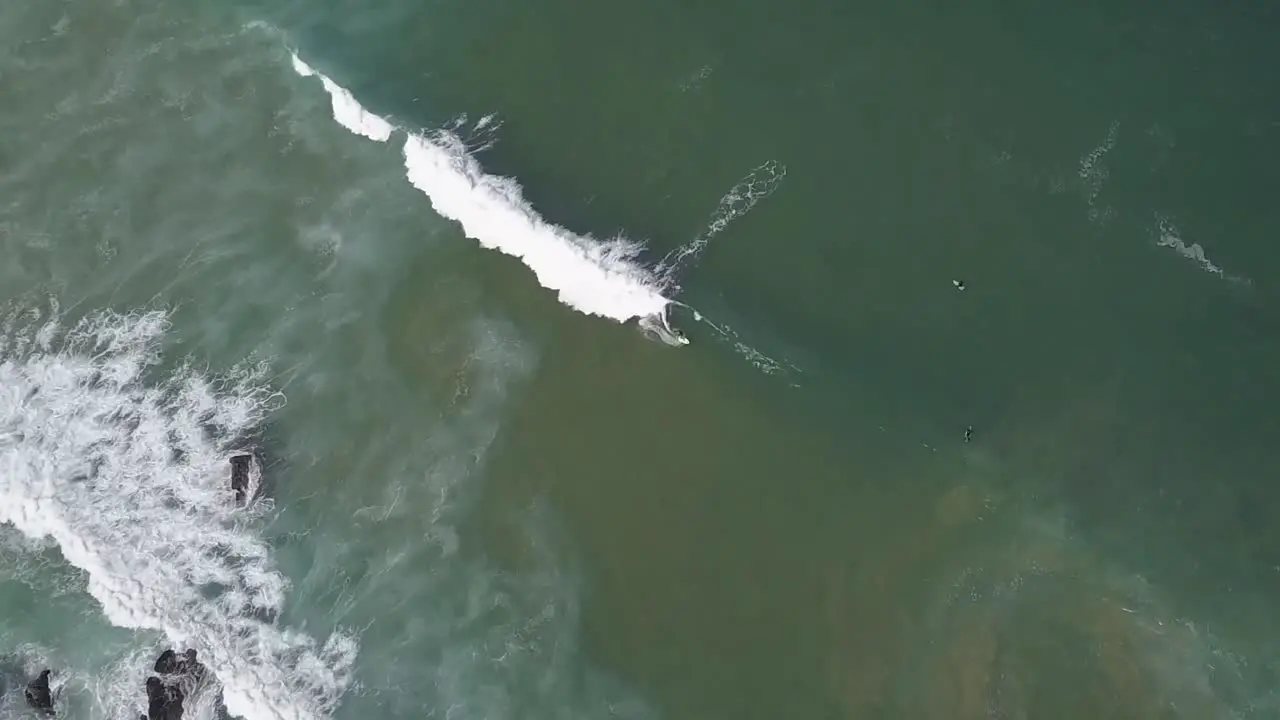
{"type": "Point", "coordinates": [592, 276]}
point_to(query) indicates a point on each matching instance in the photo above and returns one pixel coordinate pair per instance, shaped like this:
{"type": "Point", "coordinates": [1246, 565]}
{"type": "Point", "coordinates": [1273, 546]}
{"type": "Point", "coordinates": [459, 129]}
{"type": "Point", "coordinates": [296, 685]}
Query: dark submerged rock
{"type": "Point", "coordinates": [38, 694]}
{"type": "Point", "coordinates": [190, 667]}
{"type": "Point", "coordinates": [177, 676]}
{"type": "Point", "coordinates": [167, 663]}
{"type": "Point", "coordinates": [241, 475]}
{"type": "Point", "coordinates": [164, 701]}
{"type": "Point", "coordinates": [262, 452]}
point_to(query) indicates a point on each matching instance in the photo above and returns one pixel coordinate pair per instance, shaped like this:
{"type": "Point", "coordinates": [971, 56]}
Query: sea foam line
{"type": "Point", "coordinates": [129, 478]}
{"type": "Point", "coordinates": [591, 276]}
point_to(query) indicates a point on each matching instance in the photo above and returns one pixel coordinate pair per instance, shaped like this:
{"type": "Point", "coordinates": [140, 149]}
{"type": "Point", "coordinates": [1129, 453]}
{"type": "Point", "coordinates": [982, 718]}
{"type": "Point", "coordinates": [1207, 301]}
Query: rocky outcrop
{"type": "Point", "coordinates": [38, 695]}
{"type": "Point", "coordinates": [176, 677]}
{"type": "Point", "coordinates": [164, 701]}
{"type": "Point", "coordinates": [246, 476]}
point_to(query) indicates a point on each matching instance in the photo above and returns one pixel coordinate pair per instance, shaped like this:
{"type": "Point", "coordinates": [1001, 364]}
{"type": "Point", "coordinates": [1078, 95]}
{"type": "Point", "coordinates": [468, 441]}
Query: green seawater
{"type": "Point", "coordinates": [516, 510]}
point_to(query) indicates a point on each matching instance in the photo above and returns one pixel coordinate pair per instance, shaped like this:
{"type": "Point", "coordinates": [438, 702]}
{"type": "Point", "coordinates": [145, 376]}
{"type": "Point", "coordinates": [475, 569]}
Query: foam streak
{"type": "Point", "coordinates": [751, 189]}
{"type": "Point", "coordinates": [1168, 235]}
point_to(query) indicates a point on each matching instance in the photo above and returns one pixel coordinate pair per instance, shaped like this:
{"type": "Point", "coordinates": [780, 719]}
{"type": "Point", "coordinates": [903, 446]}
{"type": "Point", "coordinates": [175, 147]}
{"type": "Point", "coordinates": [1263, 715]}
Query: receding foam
{"type": "Point", "coordinates": [592, 276]}
{"type": "Point", "coordinates": [129, 478]}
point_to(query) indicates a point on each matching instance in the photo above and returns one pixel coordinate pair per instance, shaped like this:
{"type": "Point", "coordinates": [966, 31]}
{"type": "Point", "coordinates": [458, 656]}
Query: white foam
{"type": "Point", "coordinates": [1093, 173]}
{"type": "Point", "coordinates": [592, 276]}
{"type": "Point", "coordinates": [130, 479]}
{"type": "Point", "coordinates": [1170, 238]}
{"type": "Point", "coordinates": [1168, 235]}
{"type": "Point", "coordinates": [346, 109]}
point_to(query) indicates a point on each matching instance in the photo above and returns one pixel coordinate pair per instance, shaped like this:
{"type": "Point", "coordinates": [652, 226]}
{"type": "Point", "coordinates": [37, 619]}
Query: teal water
{"type": "Point", "coordinates": [485, 498]}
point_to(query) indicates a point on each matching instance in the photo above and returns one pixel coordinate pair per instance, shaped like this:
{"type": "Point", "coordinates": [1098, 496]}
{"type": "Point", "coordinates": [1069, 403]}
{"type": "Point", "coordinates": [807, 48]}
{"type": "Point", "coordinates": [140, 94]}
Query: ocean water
{"type": "Point", "coordinates": [675, 361]}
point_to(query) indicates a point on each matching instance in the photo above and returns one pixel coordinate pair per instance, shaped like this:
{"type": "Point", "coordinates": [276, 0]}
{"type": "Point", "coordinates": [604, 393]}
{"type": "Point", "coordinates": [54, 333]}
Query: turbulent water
{"type": "Point", "coordinates": [177, 295]}
{"type": "Point", "coordinates": [960, 405]}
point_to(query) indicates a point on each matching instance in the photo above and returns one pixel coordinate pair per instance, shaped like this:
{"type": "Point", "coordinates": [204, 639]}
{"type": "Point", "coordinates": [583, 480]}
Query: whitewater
{"type": "Point", "coordinates": [592, 276]}
{"type": "Point", "coordinates": [129, 477]}
{"type": "Point", "coordinates": [597, 277]}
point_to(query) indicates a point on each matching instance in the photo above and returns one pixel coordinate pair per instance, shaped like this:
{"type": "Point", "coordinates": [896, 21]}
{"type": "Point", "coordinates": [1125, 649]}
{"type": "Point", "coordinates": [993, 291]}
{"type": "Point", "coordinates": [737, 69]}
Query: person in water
{"type": "Point", "coordinates": [189, 666]}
